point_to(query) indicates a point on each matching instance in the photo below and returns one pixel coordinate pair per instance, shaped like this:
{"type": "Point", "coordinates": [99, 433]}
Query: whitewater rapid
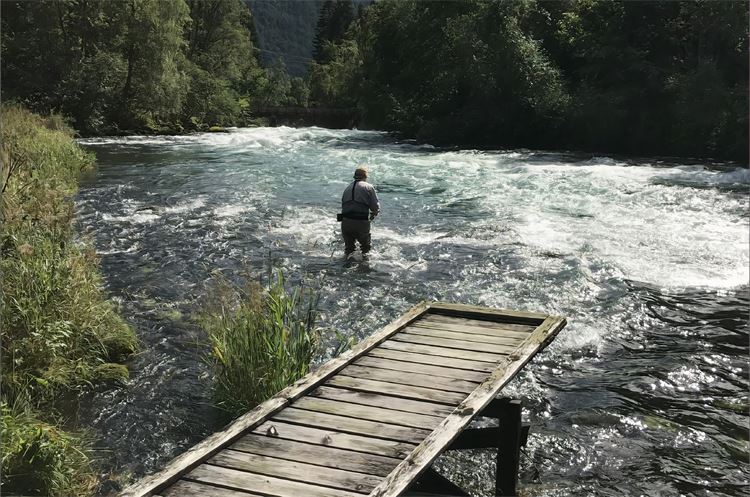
{"type": "Point", "coordinates": [647, 258]}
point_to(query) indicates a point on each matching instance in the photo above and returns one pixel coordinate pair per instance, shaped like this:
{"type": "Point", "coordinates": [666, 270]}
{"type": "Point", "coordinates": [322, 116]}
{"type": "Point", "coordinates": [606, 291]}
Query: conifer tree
{"type": "Point", "coordinates": [335, 18]}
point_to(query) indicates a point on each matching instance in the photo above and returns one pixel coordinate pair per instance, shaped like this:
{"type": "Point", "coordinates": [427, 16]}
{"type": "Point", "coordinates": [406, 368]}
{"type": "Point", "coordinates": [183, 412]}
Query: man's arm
{"type": "Point", "coordinates": [374, 203]}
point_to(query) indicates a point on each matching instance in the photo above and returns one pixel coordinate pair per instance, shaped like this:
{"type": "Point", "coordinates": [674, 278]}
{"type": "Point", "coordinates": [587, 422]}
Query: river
{"type": "Point", "coordinates": [645, 392]}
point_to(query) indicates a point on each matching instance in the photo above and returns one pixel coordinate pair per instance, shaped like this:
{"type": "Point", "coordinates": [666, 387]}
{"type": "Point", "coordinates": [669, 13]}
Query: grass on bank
{"type": "Point", "coordinates": [262, 339]}
{"type": "Point", "coordinates": [58, 330]}
{"type": "Point", "coordinates": [39, 458]}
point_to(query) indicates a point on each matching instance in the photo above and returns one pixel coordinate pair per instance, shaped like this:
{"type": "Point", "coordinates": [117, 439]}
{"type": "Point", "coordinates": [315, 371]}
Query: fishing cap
{"type": "Point", "coordinates": [360, 172]}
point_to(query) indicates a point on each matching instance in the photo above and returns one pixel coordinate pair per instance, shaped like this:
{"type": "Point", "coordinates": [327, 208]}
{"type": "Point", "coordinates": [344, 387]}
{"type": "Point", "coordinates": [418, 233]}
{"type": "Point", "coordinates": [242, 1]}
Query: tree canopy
{"type": "Point", "coordinates": [146, 65]}
{"type": "Point", "coordinates": [638, 77]}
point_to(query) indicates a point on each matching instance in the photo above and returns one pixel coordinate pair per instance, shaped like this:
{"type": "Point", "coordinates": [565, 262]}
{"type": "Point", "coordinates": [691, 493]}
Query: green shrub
{"type": "Point", "coordinates": [261, 340]}
{"type": "Point", "coordinates": [58, 328]}
{"type": "Point", "coordinates": [40, 459]}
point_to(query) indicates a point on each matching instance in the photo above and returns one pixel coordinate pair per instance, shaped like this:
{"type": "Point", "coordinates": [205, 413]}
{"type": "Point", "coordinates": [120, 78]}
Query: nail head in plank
{"type": "Point", "coordinates": [419, 460]}
{"type": "Point", "coordinates": [263, 484]}
{"type": "Point", "coordinates": [386, 401]}
{"type": "Point", "coordinates": [351, 425]}
{"type": "Point", "coordinates": [295, 471]}
{"type": "Point", "coordinates": [370, 413]}
{"type": "Point", "coordinates": [442, 351]}
{"type": "Point", "coordinates": [319, 455]}
{"type": "Point", "coordinates": [214, 442]}
{"type": "Point", "coordinates": [334, 439]}
{"type": "Point", "coordinates": [406, 391]}
{"type": "Point", "coordinates": [413, 379]}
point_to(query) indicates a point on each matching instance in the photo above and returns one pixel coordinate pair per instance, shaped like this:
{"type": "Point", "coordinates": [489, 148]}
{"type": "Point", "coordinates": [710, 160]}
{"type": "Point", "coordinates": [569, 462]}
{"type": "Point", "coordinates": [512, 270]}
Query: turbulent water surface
{"type": "Point", "coordinates": [644, 393]}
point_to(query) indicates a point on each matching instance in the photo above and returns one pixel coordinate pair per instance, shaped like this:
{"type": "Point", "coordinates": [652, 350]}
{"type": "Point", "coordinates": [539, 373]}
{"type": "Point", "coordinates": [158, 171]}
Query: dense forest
{"type": "Point", "coordinates": [635, 77]}
{"type": "Point", "coordinates": [138, 65]}
{"type": "Point", "coordinates": [667, 78]}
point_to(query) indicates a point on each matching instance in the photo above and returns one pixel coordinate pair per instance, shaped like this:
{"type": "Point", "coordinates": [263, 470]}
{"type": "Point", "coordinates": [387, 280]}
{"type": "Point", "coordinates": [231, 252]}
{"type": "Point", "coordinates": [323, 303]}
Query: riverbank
{"type": "Point", "coordinates": [60, 332]}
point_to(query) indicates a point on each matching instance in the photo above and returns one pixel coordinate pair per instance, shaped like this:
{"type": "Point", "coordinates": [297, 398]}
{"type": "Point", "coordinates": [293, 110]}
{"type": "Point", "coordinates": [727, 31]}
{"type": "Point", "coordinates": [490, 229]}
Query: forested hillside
{"type": "Point", "coordinates": [285, 31]}
{"type": "Point", "coordinates": [637, 77]}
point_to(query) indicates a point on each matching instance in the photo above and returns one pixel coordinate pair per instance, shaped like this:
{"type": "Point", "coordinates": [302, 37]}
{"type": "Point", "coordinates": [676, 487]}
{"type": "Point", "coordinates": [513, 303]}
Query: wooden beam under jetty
{"type": "Point", "coordinates": [373, 420]}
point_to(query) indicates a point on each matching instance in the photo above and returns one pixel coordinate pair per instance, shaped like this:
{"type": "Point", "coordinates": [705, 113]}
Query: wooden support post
{"type": "Point", "coordinates": [508, 451]}
{"type": "Point", "coordinates": [434, 484]}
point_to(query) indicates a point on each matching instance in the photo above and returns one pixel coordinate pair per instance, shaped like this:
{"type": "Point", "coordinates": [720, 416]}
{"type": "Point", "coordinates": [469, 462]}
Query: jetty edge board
{"type": "Point", "coordinates": [454, 366]}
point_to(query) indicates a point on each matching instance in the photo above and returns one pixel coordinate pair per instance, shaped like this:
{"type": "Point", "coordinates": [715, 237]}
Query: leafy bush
{"type": "Point", "coordinates": [40, 459]}
{"type": "Point", "coordinates": [261, 339]}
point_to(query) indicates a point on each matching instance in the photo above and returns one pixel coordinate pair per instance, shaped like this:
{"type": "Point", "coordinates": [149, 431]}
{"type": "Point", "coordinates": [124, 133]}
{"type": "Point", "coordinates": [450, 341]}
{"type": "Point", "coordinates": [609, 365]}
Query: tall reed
{"type": "Point", "coordinates": [262, 339]}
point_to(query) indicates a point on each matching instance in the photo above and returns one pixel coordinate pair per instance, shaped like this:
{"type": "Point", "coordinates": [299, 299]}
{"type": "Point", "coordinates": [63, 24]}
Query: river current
{"type": "Point", "coordinates": [645, 392]}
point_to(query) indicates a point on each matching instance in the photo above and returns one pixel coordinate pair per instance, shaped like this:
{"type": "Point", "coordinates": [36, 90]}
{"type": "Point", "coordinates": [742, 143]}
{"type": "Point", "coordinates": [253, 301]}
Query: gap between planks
{"type": "Point", "coordinates": [295, 471]}
{"type": "Point", "coordinates": [456, 343]}
{"type": "Point", "coordinates": [357, 411]}
{"type": "Point", "coordinates": [262, 484]}
{"type": "Point", "coordinates": [335, 439]}
{"type": "Point", "coordinates": [378, 400]}
{"type": "Point", "coordinates": [413, 379]}
{"type": "Point", "coordinates": [317, 455]}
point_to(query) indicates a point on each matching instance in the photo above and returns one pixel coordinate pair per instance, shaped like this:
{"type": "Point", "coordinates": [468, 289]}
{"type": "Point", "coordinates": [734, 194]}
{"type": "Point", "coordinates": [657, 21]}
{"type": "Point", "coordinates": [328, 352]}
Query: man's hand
{"type": "Point", "coordinates": [372, 216]}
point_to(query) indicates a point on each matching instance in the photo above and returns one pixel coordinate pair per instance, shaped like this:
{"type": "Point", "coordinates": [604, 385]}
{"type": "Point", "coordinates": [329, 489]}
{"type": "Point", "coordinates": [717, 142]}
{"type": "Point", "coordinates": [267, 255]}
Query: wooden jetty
{"type": "Point", "coordinates": [372, 421]}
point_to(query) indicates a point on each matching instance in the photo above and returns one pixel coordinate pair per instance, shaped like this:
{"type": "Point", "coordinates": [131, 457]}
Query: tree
{"type": "Point", "coordinates": [154, 86]}
{"type": "Point", "coordinates": [221, 56]}
{"type": "Point", "coordinates": [333, 21]}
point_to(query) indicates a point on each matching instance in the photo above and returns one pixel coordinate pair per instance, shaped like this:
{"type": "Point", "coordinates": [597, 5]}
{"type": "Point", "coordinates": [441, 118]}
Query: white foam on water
{"type": "Point", "coordinates": [668, 235]}
{"type": "Point", "coordinates": [135, 218]}
{"type": "Point", "coordinates": [233, 210]}
{"type": "Point", "coordinates": [186, 206]}
{"type": "Point", "coordinates": [310, 230]}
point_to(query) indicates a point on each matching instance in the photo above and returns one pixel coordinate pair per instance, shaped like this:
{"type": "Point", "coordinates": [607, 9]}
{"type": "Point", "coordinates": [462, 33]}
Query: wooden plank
{"type": "Point", "coordinates": [419, 460]}
{"type": "Point", "coordinates": [368, 412]}
{"type": "Point", "coordinates": [412, 367]}
{"type": "Point", "coordinates": [513, 340]}
{"type": "Point", "coordinates": [474, 330]}
{"type": "Point", "coordinates": [485, 368]}
{"type": "Point", "coordinates": [406, 391]}
{"type": "Point", "coordinates": [442, 352]}
{"type": "Point", "coordinates": [475, 323]}
{"type": "Point", "coordinates": [335, 439]}
{"type": "Point", "coordinates": [351, 425]}
{"type": "Point", "coordinates": [413, 379]}
{"type": "Point", "coordinates": [295, 470]}
{"type": "Point", "coordinates": [211, 444]}
{"type": "Point", "coordinates": [184, 488]}
{"type": "Point", "coordinates": [453, 343]}
{"type": "Point", "coordinates": [262, 484]}
{"type": "Point", "coordinates": [387, 401]}
{"type": "Point", "coordinates": [319, 455]}
{"type": "Point", "coordinates": [487, 313]}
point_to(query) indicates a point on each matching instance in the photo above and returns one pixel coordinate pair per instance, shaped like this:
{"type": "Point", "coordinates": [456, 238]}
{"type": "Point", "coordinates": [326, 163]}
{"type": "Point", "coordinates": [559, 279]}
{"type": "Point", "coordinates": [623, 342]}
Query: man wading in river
{"type": "Point", "coordinates": [359, 206]}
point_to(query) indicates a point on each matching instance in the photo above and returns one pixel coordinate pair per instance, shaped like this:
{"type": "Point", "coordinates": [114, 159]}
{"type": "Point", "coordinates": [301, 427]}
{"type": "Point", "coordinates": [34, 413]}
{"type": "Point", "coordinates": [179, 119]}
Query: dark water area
{"type": "Point", "coordinates": [645, 392]}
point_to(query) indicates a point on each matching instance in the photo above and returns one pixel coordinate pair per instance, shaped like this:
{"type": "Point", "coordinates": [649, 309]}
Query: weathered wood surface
{"type": "Point", "coordinates": [420, 459]}
{"type": "Point", "coordinates": [371, 421]}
